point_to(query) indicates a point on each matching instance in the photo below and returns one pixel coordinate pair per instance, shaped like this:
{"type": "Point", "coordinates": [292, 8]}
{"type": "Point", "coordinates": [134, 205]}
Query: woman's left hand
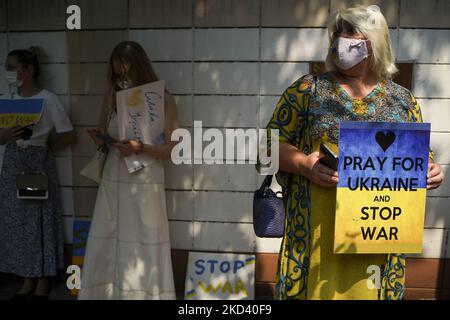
{"type": "Point", "coordinates": [435, 176]}
{"type": "Point", "coordinates": [128, 147]}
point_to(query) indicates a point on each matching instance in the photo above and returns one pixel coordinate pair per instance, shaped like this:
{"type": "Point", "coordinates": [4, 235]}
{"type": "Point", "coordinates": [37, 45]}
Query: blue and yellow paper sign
{"type": "Point", "coordinates": [381, 193]}
{"type": "Point", "coordinates": [220, 276]}
{"type": "Point", "coordinates": [79, 242]}
{"type": "Point", "coordinates": [20, 112]}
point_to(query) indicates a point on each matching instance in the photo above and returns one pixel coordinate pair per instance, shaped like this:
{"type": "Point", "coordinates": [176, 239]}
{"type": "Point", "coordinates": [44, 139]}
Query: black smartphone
{"type": "Point", "coordinates": [106, 138]}
{"type": "Point", "coordinates": [330, 160]}
{"type": "Point", "coordinates": [27, 132]}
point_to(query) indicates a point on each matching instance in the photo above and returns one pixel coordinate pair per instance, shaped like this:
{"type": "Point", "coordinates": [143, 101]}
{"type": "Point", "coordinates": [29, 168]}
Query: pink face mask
{"type": "Point", "coordinates": [347, 52]}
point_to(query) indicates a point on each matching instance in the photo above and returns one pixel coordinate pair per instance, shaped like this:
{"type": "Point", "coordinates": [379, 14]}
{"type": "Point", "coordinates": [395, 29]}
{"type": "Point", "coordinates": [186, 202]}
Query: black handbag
{"type": "Point", "coordinates": [32, 186]}
{"type": "Point", "coordinates": [269, 210]}
{"type": "Point", "coordinates": [269, 207]}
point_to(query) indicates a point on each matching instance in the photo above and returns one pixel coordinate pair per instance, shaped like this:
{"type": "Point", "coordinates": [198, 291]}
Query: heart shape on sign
{"type": "Point", "coordinates": [385, 140]}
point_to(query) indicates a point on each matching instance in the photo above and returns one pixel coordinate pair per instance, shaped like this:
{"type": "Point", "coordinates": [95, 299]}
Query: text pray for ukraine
{"type": "Point", "coordinates": [374, 183]}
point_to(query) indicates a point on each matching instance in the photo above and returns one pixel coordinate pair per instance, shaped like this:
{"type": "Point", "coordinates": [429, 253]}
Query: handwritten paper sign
{"type": "Point", "coordinates": [141, 117]}
{"type": "Point", "coordinates": [20, 112]}
{"type": "Point", "coordinates": [381, 192]}
{"type": "Point", "coordinates": [220, 276]}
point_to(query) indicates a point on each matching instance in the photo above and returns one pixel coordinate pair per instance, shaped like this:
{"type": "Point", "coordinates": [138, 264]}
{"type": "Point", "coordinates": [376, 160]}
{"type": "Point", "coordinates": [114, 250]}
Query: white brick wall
{"type": "Point", "coordinates": [64, 166]}
{"type": "Point", "coordinates": [429, 49]}
{"type": "Point", "coordinates": [178, 76]}
{"type": "Point", "coordinates": [184, 109]}
{"type": "Point", "coordinates": [53, 44]}
{"type": "Point", "coordinates": [276, 77]}
{"type": "Point", "coordinates": [179, 48]}
{"type": "Point", "coordinates": [215, 206]}
{"type": "Point", "coordinates": [226, 44]}
{"type": "Point", "coordinates": [431, 81]}
{"type": "Point", "coordinates": [424, 46]}
{"type": "Point", "coordinates": [182, 234]}
{"type": "Point", "coordinates": [228, 78]}
{"type": "Point", "coordinates": [437, 211]}
{"type": "Point", "coordinates": [434, 244]}
{"type": "Point", "coordinates": [436, 111]}
{"type": "Point", "coordinates": [266, 108]}
{"type": "Point", "coordinates": [3, 83]}
{"type": "Point", "coordinates": [440, 142]}
{"type": "Point", "coordinates": [3, 47]}
{"type": "Point", "coordinates": [294, 44]}
{"type": "Point", "coordinates": [226, 237]}
{"type": "Point", "coordinates": [226, 111]}
{"type": "Point", "coordinates": [225, 177]}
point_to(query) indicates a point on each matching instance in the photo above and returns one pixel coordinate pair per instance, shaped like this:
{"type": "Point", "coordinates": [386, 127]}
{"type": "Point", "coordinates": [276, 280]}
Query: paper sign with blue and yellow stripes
{"type": "Point", "coordinates": [220, 276]}
{"type": "Point", "coordinates": [381, 193]}
{"type": "Point", "coordinates": [20, 112]}
{"type": "Point", "coordinates": [79, 242]}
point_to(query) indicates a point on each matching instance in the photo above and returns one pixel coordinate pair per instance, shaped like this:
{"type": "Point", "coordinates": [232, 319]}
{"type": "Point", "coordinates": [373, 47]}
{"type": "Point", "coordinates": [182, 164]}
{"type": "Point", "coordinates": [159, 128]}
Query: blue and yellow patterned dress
{"type": "Point", "coordinates": [308, 114]}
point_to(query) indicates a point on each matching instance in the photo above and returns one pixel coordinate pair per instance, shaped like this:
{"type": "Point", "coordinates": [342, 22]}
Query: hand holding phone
{"type": "Point", "coordinates": [107, 139]}
{"type": "Point", "coordinates": [10, 134]}
{"type": "Point", "coordinates": [330, 159]}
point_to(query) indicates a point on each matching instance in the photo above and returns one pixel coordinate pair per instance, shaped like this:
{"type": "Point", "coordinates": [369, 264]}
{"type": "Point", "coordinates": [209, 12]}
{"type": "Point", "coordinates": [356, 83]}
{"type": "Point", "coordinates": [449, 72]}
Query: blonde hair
{"type": "Point", "coordinates": [135, 67]}
{"type": "Point", "coordinates": [370, 22]}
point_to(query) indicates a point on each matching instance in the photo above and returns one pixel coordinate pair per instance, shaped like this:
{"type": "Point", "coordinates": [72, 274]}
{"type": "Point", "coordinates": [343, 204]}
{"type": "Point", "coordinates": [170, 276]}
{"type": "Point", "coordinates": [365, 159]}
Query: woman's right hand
{"type": "Point", "coordinates": [10, 134]}
{"type": "Point", "coordinates": [93, 133]}
{"type": "Point", "coordinates": [318, 173]}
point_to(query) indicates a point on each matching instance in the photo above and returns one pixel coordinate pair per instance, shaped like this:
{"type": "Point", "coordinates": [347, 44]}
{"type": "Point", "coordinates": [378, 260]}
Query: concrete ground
{"type": "Point", "coordinates": [9, 285]}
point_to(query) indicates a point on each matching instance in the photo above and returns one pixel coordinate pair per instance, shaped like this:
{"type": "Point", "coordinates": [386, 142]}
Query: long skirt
{"type": "Point", "coordinates": [31, 231]}
{"type": "Point", "coordinates": [128, 253]}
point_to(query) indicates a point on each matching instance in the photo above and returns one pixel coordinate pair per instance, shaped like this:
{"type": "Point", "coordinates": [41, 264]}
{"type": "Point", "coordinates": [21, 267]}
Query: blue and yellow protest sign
{"type": "Point", "coordinates": [223, 276]}
{"type": "Point", "coordinates": [381, 193]}
{"type": "Point", "coordinates": [20, 112]}
{"type": "Point", "coordinates": [79, 242]}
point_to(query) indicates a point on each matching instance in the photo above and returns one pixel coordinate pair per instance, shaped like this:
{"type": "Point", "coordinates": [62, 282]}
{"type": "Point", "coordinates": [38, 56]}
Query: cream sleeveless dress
{"type": "Point", "coordinates": [128, 252]}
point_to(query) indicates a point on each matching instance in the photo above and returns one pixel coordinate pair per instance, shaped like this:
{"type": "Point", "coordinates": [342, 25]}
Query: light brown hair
{"type": "Point", "coordinates": [135, 67]}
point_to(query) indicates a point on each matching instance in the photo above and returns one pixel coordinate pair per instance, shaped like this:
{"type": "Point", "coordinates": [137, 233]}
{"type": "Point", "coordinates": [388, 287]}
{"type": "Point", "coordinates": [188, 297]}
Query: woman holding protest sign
{"type": "Point", "coordinates": [31, 231]}
{"type": "Point", "coordinates": [357, 87]}
{"type": "Point", "coordinates": [128, 254]}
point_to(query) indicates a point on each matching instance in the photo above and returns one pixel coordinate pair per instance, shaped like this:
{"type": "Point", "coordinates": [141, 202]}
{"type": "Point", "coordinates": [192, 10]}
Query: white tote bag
{"type": "Point", "coordinates": [93, 170]}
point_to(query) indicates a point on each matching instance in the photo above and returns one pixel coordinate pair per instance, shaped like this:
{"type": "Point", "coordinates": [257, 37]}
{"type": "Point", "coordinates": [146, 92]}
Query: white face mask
{"type": "Point", "coordinates": [11, 78]}
{"type": "Point", "coordinates": [123, 84]}
{"type": "Point", "coordinates": [348, 52]}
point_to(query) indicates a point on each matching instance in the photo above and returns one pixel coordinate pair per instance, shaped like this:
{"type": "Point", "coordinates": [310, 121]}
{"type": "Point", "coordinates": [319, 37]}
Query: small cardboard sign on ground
{"type": "Point", "coordinates": [220, 276]}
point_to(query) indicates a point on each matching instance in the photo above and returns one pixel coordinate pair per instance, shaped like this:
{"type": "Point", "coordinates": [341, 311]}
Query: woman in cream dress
{"type": "Point", "coordinates": [128, 253]}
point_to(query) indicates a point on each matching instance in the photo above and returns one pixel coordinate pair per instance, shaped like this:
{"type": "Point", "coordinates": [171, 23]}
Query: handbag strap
{"type": "Point", "coordinates": [104, 148]}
